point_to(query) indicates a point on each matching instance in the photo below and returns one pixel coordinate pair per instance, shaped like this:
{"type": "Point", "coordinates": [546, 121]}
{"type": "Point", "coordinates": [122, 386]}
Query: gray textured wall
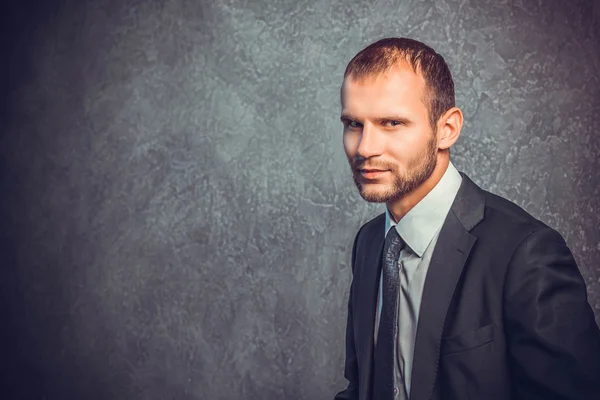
{"type": "Point", "coordinates": [177, 211]}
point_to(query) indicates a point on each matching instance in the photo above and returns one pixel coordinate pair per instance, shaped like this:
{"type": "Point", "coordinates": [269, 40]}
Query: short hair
{"type": "Point", "coordinates": [384, 54]}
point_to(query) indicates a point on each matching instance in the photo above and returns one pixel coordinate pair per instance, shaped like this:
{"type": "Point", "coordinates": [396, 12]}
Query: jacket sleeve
{"type": "Point", "coordinates": [351, 365]}
{"type": "Point", "coordinates": [553, 339]}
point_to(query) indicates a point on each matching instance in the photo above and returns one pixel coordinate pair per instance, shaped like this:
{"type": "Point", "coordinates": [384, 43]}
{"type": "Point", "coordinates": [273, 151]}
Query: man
{"type": "Point", "coordinates": [456, 293]}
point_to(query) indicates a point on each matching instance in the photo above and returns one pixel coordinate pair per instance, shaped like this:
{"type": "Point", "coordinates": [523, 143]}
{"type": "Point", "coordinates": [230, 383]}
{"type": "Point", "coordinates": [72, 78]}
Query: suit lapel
{"type": "Point", "coordinates": [450, 254]}
{"type": "Point", "coordinates": [370, 271]}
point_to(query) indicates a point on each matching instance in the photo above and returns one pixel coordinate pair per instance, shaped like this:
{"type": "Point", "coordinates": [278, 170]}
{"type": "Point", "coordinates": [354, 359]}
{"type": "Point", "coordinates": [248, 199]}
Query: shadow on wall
{"type": "Point", "coordinates": [18, 21]}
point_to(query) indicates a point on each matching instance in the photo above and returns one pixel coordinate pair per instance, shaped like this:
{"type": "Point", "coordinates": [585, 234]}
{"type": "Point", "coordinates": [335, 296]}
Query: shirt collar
{"type": "Point", "coordinates": [418, 227]}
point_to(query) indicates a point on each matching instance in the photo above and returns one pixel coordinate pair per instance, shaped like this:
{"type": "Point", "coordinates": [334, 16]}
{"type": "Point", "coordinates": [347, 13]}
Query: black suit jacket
{"type": "Point", "coordinates": [504, 313]}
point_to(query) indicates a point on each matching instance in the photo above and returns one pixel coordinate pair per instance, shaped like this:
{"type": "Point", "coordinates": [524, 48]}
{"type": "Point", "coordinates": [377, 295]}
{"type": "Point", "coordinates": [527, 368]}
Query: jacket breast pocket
{"type": "Point", "coordinates": [468, 340]}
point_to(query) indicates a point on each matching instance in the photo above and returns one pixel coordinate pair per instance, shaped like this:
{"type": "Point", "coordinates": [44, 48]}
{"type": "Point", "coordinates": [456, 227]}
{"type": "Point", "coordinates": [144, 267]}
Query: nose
{"type": "Point", "coordinates": [370, 142]}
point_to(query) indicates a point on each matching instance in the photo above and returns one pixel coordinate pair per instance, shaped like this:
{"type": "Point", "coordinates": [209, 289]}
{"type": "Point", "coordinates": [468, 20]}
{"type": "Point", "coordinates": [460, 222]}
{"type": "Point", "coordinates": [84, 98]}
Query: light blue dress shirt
{"type": "Point", "coordinates": [419, 229]}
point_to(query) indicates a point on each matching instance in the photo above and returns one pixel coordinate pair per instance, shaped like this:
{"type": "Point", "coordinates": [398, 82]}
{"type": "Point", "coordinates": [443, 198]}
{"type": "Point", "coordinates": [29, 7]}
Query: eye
{"type": "Point", "coordinates": [391, 123]}
{"type": "Point", "coordinates": [352, 124]}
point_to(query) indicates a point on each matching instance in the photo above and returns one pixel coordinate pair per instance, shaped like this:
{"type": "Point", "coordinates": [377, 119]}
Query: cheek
{"type": "Point", "coordinates": [350, 144]}
{"type": "Point", "coordinates": [408, 149]}
{"type": "Point", "coordinates": [399, 150]}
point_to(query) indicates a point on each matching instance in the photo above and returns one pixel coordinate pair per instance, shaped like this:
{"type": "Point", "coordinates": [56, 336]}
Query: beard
{"type": "Point", "coordinates": [404, 182]}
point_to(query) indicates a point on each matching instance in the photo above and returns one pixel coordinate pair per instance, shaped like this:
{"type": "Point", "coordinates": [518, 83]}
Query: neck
{"type": "Point", "coordinates": [401, 207]}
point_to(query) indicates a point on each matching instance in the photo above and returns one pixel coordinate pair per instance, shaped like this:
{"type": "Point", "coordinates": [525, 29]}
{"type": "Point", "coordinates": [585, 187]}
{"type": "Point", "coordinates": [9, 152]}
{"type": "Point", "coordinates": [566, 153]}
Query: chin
{"type": "Point", "coordinates": [375, 194]}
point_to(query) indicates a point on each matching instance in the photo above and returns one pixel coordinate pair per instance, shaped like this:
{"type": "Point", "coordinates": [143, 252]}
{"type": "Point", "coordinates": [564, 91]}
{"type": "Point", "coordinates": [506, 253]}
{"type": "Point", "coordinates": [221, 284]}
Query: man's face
{"type": "Point", "coordinates": [388, 139]}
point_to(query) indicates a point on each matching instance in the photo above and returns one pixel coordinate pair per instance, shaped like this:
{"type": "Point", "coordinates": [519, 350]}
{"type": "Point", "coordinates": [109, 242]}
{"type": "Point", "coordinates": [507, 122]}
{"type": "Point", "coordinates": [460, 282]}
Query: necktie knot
{"type": "Point", "coordinates": [393, 246]}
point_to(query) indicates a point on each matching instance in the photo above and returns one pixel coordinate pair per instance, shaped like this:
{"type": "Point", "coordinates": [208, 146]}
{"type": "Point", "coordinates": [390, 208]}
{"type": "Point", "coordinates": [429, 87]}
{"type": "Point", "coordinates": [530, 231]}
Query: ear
{"type": "Point", "coordinates": [449, 126]}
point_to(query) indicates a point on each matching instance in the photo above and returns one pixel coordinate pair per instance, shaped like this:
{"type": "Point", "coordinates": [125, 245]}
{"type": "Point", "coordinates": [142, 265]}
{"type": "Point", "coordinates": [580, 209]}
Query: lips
{"type": "Point", "coordinates": [372, 173]}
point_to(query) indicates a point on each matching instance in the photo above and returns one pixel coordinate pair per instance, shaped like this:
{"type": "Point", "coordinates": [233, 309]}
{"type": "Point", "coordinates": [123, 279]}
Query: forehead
{"type": "Point", "coordinates": [395, 90]}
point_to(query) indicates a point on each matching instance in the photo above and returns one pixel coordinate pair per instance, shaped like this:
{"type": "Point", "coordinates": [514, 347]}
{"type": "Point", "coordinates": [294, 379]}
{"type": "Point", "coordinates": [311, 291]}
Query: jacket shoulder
{"type": "Point", "coordinates": [372, 227]}
{"type": "Point", "coordinates": [499, 210]}
{"type": "Point", "coordinates": [508, 208]}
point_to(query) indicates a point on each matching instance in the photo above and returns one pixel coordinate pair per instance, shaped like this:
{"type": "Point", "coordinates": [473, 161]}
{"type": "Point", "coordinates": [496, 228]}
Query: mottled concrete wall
{"type": "Point", "coordinates": [177, 209]}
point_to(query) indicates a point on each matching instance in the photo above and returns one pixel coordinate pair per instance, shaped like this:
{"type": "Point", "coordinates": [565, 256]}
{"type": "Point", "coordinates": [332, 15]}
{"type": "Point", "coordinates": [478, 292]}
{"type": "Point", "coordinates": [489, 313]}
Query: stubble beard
{"type": "Point", "coordinates": [403, 183]}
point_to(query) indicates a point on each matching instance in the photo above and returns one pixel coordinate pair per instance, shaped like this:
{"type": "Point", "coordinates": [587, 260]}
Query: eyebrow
{"type": "Point", "coordinates": [349, 117]}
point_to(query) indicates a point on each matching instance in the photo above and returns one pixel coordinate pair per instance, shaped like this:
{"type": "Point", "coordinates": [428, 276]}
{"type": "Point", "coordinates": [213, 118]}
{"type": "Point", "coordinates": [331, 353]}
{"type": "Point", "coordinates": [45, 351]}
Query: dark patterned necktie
{"type": "Point", "coordinates": [385, 349]}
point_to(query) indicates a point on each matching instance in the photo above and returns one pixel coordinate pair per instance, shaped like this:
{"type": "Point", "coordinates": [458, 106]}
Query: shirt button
{"type": "Point", "coordinates": [395, 391]}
